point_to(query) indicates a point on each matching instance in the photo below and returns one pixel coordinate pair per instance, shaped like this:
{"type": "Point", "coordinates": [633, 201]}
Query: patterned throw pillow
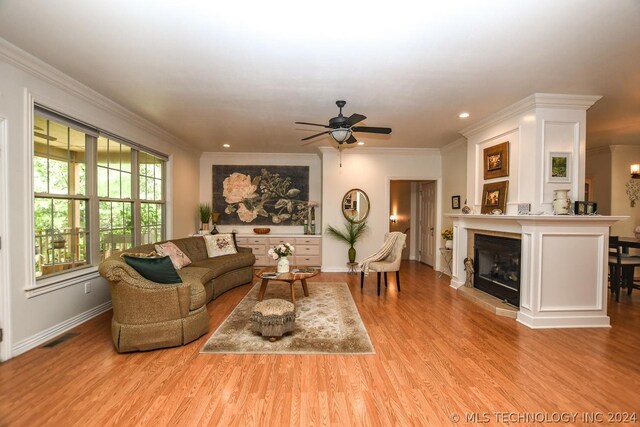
{"type": "Point", "coordinates": [178, 258]}
{"type": "Point", "coordinates": [219, 244]}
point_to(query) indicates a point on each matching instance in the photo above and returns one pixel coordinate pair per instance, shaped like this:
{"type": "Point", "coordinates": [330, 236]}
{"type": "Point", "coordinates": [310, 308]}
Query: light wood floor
{"type": "Point", "coordinates": [438, 356]}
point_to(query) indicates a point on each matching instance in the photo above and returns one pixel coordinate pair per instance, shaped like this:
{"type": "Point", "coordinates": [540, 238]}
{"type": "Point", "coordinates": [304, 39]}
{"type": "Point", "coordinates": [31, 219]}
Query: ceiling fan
{"type": "Point", "coordinates": [342, 128]}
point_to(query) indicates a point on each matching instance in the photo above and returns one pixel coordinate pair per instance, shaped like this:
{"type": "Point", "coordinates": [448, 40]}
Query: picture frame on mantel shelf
{"type": "Point", "coordinates": [496, 161]}
{"type": "Point", "coordinates": [559, 167]}
{"type": "Point", "coordinates": [455, 202]}
{"type": "Point", "coordinates": [494, 196]}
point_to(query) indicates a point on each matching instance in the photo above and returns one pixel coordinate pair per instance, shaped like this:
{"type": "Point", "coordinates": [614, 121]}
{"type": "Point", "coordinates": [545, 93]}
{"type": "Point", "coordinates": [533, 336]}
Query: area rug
{"type": "Point", "coordinates": [327, 322]}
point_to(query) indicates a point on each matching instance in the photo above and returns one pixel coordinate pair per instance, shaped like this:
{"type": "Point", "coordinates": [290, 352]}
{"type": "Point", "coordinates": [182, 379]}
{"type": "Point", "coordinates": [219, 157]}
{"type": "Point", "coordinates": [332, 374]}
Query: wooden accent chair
{"type": "Point", "coordinates": [621, 267]}
{"type": "Point", "coordinates": [390, 264]}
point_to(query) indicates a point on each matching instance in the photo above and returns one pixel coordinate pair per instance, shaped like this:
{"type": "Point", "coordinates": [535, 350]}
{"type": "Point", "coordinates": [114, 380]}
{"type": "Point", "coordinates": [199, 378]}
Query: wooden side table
{"type": "Point", "coordinates": [447, 255]}
{"type": "Point", "coordinates": [266, 275]}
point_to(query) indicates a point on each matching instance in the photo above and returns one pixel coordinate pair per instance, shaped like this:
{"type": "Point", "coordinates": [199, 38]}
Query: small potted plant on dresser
{"type": "Point", "coordinates": [447, 235]}
{"type": "Point", "coordinates": [205, 214]}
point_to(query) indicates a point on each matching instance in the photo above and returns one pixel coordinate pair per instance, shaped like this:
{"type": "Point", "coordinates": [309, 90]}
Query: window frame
{"type": "Point", "coordinates": [50, 282]}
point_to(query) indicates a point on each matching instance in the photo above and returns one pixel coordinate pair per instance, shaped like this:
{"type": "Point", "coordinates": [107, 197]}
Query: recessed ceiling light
{"type": "Point", "coordinates": [463, 115]}
{"type": "Point", "coordinates": [360, 143]}
{"type": "Point", "coordinates": [226, 145]}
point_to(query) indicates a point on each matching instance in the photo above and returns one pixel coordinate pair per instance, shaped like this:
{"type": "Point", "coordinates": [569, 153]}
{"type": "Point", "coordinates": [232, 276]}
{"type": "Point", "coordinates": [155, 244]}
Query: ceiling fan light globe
{"type": "Point", "coordinates": [341, 135]}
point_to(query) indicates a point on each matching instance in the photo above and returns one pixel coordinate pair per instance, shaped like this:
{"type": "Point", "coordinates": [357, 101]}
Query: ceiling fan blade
{"type": "Point", "coordinates": [355, 118]}
{"type": "Point", "coordinates": [351, 139]}
{"type": "Point", "coordinates": [312, 124]}
{"type": "Point", "coordinates": [313, 136]}
{"type": "Point", "coordinates": [371, 129]}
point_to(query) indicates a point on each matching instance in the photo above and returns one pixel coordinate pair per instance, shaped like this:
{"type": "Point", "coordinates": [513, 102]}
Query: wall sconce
{"type": "Point", "coordinates": [635, 171]}
{"type": "Point", "coordinates": [393, 219]}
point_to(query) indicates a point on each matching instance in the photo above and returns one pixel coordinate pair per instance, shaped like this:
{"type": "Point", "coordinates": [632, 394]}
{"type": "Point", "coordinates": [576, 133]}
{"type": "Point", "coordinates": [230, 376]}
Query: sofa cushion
{"type": "Point", "coordinates": [225, 263]}
{"type": "Point", "coordinates": [220, 244]}
{"type": "Point", "coordinates": [178, 258]}
{"type": "Point", "coordinates": [159, 270]}
{"type": "Point", "coordinates": [193, 247]}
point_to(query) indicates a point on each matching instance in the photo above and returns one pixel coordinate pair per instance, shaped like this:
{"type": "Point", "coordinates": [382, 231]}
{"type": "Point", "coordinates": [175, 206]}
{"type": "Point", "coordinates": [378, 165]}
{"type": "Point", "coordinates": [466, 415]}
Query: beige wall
{"type": "Point", "coordinates": [400, 206]}
{"type": "Point", "coordinates": [454, 177]}
{"type": "Point", "coordinates": [598, 171]}
{"type": "Point", "coordinates": [622, 157]}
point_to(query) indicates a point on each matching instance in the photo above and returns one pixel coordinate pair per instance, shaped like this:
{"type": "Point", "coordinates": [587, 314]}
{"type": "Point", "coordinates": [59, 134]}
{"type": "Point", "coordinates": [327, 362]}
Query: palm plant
{"type": "Point", "coordinates": [350, 235]}
{"type": "Point", "coordinates": [205, 213]}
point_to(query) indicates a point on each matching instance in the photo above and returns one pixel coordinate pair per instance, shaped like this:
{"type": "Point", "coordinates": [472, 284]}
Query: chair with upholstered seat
{"type": "Point", "coordinates": [390, 262]}
{"type": "Point", "coordinates": [621, 267]}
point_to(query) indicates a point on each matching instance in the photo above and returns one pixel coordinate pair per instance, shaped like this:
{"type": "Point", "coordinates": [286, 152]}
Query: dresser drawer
{"type": "Point", "coordinates": [242, 240]}
{"type": "Point", "coordinates": [307, 261]}
{"type": "Point", "coordinates": [305, 250]}
{"type": "Point", "coordinates": [256, 240]}
{"type": "Point", "coordinates": [258, 249]}
{"type": "Point", "coordinates": [308, 241]}
{"type": "Point", "coordinates": [280, 240]}
{"type": "Point", "coordinates": [262, 260]}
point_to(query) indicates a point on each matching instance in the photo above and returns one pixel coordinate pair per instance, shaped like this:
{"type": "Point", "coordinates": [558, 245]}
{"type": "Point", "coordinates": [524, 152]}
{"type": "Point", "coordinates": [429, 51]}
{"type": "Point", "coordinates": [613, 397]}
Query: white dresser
{"type": "Point", "coordinates": [308, 248]}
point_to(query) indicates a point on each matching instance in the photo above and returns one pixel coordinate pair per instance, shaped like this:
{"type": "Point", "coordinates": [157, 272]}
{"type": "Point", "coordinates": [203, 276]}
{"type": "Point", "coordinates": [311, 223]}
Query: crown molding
{"type": "Point", "coordinates": [536, 100]}
{"type": "Point", "coordinates": [385, 151]}
{"type": "Point", "coordinates": [41, 70]}
{"type": "Point", "coordinates": [598, 150]}
{"type": "Point", "coordinates": [460, 142]}
{"type": "Point", "coordinates": [230, 154]}
{"type": "Point", "coordinates": [623, 147]}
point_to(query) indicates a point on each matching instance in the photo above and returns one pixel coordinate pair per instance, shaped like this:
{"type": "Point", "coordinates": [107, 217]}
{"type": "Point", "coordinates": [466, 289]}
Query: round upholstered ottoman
{"type": "Point", "coordinates": [273, 318]}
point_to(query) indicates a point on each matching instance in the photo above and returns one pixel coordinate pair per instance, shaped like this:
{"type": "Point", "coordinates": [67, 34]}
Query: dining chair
{"type": "Point", "coordinates": [621, 267]}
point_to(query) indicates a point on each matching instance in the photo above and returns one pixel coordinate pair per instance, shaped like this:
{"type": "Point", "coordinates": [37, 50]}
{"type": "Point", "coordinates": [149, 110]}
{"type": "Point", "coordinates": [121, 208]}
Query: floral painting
{"type": "Point", "coordinates": [261, 195]}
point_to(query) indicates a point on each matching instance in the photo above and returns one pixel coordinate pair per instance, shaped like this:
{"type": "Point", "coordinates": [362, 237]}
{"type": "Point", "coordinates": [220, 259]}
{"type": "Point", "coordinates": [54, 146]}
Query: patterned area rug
{"type": "Point", "coordinates": [327, 322]}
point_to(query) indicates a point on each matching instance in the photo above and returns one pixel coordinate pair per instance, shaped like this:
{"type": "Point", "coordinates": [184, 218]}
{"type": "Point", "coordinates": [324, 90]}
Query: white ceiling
{"type": "Point", "coordinates": [243, 72]}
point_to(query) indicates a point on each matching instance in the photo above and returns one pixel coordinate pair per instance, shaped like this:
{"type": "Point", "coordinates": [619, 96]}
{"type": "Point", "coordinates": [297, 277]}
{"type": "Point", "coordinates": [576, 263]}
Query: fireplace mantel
{"type": "Point", "coordinates": [563, 270]}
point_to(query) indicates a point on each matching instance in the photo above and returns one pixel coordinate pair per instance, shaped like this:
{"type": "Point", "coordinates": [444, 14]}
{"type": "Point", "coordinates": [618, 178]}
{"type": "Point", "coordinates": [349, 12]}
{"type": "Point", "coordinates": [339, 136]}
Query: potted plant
{"type": "Point", "coordinates": [205, 213]}
{"type": "Point", "coordinates": [447, 235]}
{"type": "Point", "coordinates": [350, 235]}
{"type": "Point", "coordinates": [57, 239]}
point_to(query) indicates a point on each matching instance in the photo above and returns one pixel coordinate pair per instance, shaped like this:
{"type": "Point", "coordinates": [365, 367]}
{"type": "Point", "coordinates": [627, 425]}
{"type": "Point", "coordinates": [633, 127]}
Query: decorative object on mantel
{"type": "Point", "coordinates": [205, 213]}
{"type": "Point", "coordinates": [633, 191]}
{"type": "Point", "coordinates": [455, 202]}
{"type": "Point", "coordinates": [447, 236]}
{"type": "Point", "coordinates": [494, 196]}
{"type": "Point", "coordinates": [260, 195]}
{"type": "Point", "coordinates": [496, 212]}
{"type": "Point", "coordinates": [524, 208]}
{"type": "Point", "coordinates": [466, 210]}
{"type": "Point", "coordinates": [561, 202]}
{"type": "Point", "coordinates": [352, 232]}
{"type": "Point", "coordinates": [280, 253]}
{"type": "Point", "coordinates": [585, 208]}
{"type": "Point", "coordinates": [559, 167]}
{"type": "Point", "coordinates": [468, 267]}
{"type": "Point", "coordinates": [637, 232]}
{"type": "Point", "coordinates": [262, 230]}
{"type": "Point", "coordinates": [496, 161]}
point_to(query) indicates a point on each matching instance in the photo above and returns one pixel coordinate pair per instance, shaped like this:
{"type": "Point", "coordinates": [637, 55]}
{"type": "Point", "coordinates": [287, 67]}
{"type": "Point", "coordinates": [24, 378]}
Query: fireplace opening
{"type": "Point", "coordinates": [497, 267]}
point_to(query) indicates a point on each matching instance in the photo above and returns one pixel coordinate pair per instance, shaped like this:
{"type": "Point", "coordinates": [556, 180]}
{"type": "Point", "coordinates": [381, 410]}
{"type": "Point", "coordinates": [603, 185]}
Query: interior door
{"type": "Point", "coordinates": [427, 197]}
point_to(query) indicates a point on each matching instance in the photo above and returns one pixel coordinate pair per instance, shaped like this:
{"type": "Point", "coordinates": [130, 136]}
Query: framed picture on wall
{"type": "Point", "coordinates": [496, 161]}
{"type": "Point", "coordinates": [559, 167]}
{"type": "Point", "coordinates": [455, 202]}
{"type": "Point", "coordinates": [494, 196]}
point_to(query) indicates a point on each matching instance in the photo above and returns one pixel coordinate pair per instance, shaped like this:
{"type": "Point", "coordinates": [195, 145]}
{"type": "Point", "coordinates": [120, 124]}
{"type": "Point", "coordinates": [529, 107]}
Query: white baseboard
{"type": "Point", "coordinates": [576, 321]}
{"type": "Point", "coordinates": [49, 333]}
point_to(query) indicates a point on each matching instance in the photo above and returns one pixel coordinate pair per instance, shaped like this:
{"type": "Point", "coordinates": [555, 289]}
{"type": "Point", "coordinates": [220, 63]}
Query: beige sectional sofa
{"type": "Point", "coordinates": [149, 315]}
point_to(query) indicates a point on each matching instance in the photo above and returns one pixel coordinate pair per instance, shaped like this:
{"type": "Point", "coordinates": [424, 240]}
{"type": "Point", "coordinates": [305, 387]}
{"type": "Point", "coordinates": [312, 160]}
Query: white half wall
{"type": "Point", "coordinates": [25, 80]}
{"type": "Point", "coordinates": [372, 171]}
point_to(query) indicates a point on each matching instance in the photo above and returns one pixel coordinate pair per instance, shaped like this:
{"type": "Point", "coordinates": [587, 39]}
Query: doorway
{"type": "Point", "coordinates": [5, 343]}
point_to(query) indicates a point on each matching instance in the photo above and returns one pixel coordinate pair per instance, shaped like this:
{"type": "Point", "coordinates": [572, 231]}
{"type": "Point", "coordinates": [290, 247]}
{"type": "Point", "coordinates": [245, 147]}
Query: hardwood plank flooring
{"type": "Point", "coordinates": [438, 356]}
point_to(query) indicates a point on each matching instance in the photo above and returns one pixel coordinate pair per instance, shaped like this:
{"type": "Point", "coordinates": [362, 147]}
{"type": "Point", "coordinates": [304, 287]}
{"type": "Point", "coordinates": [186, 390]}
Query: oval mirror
{"type": "Point", "coordinates": [355, 205]}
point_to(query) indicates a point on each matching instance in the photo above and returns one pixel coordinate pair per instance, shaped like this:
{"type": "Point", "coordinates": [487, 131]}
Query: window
{"type": "Point", "coordinates": [93, 194]}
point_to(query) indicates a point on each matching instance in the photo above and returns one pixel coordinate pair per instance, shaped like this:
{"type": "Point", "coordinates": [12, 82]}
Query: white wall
{"type": "Point", "coordinates": [370, 170]}
{"type": "Point", "coordinates": [25, 79]}
{"type": "Point", "coordinates": [454, 177]}
{"type": "Point", "coordinates": [268, 159]}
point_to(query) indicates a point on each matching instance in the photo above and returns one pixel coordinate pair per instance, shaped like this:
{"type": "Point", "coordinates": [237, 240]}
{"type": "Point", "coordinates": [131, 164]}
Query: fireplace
{"type": "Point", "coordinates": [497, 267]}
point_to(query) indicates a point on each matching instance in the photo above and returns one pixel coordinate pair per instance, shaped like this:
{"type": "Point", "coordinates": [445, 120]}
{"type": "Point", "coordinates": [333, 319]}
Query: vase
{"type": "Point", "coordinates": [561, 202]}
{"type": "Point", "coordinates": [283, 265]}
{"type": "Point", "coordinates": [448, 244]}
{"type": "Point", "coordinates": [352, 255]}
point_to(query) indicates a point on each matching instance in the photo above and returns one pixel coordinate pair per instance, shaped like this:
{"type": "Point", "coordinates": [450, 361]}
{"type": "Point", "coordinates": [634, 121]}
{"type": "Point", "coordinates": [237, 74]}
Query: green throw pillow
{"type": "Point", "coordinates": [159, 270]}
